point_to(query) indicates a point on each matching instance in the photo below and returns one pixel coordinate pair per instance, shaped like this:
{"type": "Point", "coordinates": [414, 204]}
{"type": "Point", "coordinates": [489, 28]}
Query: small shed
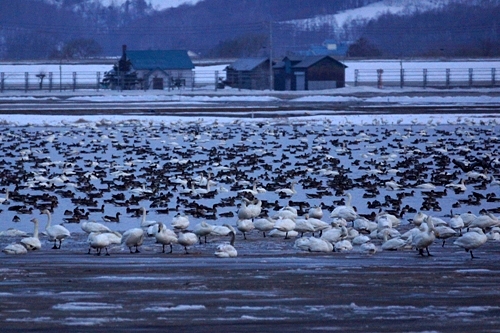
{"type": "Point", "coordinates": [249, 73]}
{"type": "Point", "coordinates": [151, 69]}
{"type": "Point", "coordinates": [309, 73]}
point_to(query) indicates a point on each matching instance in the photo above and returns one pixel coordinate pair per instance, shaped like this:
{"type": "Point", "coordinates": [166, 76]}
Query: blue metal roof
{"type": "Point", "coordinates": [160, 59]}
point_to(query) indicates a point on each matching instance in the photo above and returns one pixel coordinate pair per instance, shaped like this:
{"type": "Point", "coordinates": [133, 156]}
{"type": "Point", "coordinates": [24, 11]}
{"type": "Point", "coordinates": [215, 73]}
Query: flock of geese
{"type": "Point", "coordinates": [330, 187]}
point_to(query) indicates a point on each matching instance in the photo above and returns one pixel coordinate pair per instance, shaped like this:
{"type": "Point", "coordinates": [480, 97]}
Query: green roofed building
{"type": "Point", "coordinates": [151, 69]}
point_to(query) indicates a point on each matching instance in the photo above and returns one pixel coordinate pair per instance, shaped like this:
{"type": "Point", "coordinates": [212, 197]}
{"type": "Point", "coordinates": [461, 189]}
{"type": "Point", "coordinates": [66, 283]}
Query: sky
{"type": "Point", "coordinates": [158, 4]}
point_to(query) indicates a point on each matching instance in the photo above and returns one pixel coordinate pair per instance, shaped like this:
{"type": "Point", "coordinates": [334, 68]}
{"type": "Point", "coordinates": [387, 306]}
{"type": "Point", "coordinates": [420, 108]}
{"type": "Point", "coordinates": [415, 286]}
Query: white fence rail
{"type": "Point", "coordinates": [213, 80]}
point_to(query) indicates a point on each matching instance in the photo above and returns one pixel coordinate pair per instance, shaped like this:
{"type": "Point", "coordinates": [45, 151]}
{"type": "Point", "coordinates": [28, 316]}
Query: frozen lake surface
{"type": "Point", "coordinates": [129, 162]}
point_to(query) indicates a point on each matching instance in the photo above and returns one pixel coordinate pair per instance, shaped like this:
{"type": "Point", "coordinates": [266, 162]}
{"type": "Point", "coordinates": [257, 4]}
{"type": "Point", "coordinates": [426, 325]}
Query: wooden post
{"type": "Point", "coordinates": [2, 80]}
{"type": "Point", "coordinates": [356, 77]}
{"type": "Point", "coordinates": [74, 81]}
{"type": "Point", "coordinates": [493, 76]}
{"type": "Point", "coordinates": [50, 81]}
{"type": "Point", "coordinates": [98, 83]}
{"type": "Point", "coordinates": [447, 77]}
{"type": "Point", "coordinates": [26, 81]}
{"type": "Point", "coordinates": [401, 78]}
{"type": "Point", "coordinates": [471, 71]}
{"type": "Point", "coordinates": [216, 80]}
{"type": "Point", "coordinates": [379, 78]}
{"type": "Point", "coordinates": [425, 78]}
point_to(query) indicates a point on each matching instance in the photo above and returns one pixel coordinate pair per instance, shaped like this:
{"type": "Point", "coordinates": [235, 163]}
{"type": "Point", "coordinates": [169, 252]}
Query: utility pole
{"type": "Point", "coordinates": [271, 76]}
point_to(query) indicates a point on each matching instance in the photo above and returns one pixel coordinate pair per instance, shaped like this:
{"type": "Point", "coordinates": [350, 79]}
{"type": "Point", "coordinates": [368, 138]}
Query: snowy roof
{"type": "Point", "coordinates": [309, 61]}
{"type": "Point", "coordinates": [162, 59]}
{"type": "Point", "coordinates": [247, 64]}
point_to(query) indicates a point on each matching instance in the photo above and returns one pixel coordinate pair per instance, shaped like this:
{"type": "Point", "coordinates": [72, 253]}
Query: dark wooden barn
{"type": "Point", "coordinates": [249, 73]}
{"type": "Point", "coordinates": [309, 73]}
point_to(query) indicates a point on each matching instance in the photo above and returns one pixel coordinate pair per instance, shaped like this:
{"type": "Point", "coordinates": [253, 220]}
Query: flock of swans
{"type": "Point", "coordinates": [330, 187]}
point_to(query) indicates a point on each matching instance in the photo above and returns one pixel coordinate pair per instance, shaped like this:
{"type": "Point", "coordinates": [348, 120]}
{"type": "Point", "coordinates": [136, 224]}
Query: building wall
{"type": "Point", "coordinates": [170, 78]}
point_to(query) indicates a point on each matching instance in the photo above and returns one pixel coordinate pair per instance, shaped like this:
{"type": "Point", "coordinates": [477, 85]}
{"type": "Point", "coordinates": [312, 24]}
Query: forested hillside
{"type": "Point", "coordinates": [73, 29]}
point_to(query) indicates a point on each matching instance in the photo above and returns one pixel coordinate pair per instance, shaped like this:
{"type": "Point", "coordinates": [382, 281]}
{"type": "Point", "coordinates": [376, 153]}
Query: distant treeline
{"type": "Point", "coordinates": [75, 29]}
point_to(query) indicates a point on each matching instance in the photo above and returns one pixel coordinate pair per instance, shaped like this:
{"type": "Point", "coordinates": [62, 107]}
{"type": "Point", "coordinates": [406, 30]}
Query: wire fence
{"type": "Point", "coordinates": [213, 80]}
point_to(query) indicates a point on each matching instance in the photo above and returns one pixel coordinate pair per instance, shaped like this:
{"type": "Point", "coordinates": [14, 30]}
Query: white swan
{"type": "Point", "coordinates": [32, 243]}
{"type": "Point", "coordinates": [425, 237]}
{"type": "Point", "coordinates": [287, 191]}
{"type": "Point", "coordinates": [146, 223]}
{"type": "Point", "coordinates": [303, 225]}
{"type": "Point", "coordinates": [15, 249]}
{"type": "Point", "coordinates": [444, 232]}
{"type": "Point", "coordinates": [343, 246]}
{"type": "Point", "coordinates": [220, 230]}
{"type": "Point", "coordinates": [98, 241]}
{"type": "Point", "coordinates": [264, 224]}
{"type": "Point", "coordinates": [165, 236]}
{"type": "Point", "coordinates": [316, 212]}
{"type": "Point", "coordinates": [92, 226]}
{"type": "Point", "coordinates": [187, 239]}
{"type": "Point", "coordinates": [227, 250]}
{"type": "Point", "coordinates": [55, 232]}
{"type": "Point", "coordinates": [285, 225]}
{"type": "Point", "coordinates": [333, 235]}
{"type": "Point", "coordinates": [203, 229]}
{"type": "Point", "coordinates": [5, 200]}
{"type": "Point", "coordinates": [133, 237]}
{"type": "Point", "coordinates": [471, 240]}
{"type": "Point", "coordinates": [245, 226]}
{"type": "Point", "coordinates": [346, 211]}
{"type": "Point", "coordinates": [313, 244]}
{"type": "Point", "coordinates": [244, 212]}
{"type": "Point", "coordinates": [180, 222]}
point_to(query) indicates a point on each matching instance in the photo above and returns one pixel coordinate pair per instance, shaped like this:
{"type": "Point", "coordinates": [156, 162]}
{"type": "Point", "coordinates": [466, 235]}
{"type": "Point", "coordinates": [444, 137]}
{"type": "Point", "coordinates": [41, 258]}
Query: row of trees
{"type": "Point", "coordinates": [230, 28]}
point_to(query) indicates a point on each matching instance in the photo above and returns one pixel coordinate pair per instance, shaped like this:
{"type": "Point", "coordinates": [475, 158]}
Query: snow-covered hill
{"type": "Point", "coordinates": [403, 7]}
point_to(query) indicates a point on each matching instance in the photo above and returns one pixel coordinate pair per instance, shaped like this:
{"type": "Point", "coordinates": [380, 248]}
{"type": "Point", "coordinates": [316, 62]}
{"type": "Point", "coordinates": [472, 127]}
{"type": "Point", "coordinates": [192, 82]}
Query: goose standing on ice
{"type": "Point", "coordinates": [55, 232]}
{"type": "Point", "coordinates": [227, 250]}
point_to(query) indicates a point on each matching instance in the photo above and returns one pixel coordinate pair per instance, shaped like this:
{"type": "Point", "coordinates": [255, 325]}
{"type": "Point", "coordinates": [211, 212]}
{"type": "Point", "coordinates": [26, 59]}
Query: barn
{"type": "Point", "coordinates": [309, 73]}
{"type": "Point", "coordinates": [249, 73]}
{"type": "Point", "coordinates": [151, 69]}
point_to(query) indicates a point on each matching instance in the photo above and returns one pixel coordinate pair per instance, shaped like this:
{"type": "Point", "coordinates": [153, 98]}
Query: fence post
{"type": "Point", "coordinates": [379, 78]}
{"type": "Point", "coordinates": [2, 80]}
{"type": "Point", "coordinates": [74, 81]}
{"type": "Point", "coordinates": [50, 81]}
{"type": "Point", "coordinates": [447, 77]}
{"type": "Point", "coordinates": [356, 77]}
{"type": "Point", "coordinates": [425, 78]}
{"type": "Point", "coordinates": [493, 76]}
{"type": "Point", "coordinates": [401, 78]}
{"type": "Point", "coordinates": [216, 80]}
{"type": "Point", "coordinates": [98, 80]}
{"type": "Point", "coordinates": [26, 81]}
{"type": "Point", "coordinates": [471, 71]}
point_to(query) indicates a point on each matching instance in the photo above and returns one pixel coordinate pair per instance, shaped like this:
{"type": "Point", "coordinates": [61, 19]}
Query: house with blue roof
{"type": "Point", "coordinates": [151, 69]}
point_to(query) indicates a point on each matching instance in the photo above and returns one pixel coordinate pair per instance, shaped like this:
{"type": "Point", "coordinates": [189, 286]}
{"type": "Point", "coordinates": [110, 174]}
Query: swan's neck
{"type": "Point", "coordinates": [349, 198]}
{"type": "Point", "coordinates": [49, 220]}
{"type": "Point", "coordinates": [233, 238]}
{"type": "Point", "coordinates": [35, 230]}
